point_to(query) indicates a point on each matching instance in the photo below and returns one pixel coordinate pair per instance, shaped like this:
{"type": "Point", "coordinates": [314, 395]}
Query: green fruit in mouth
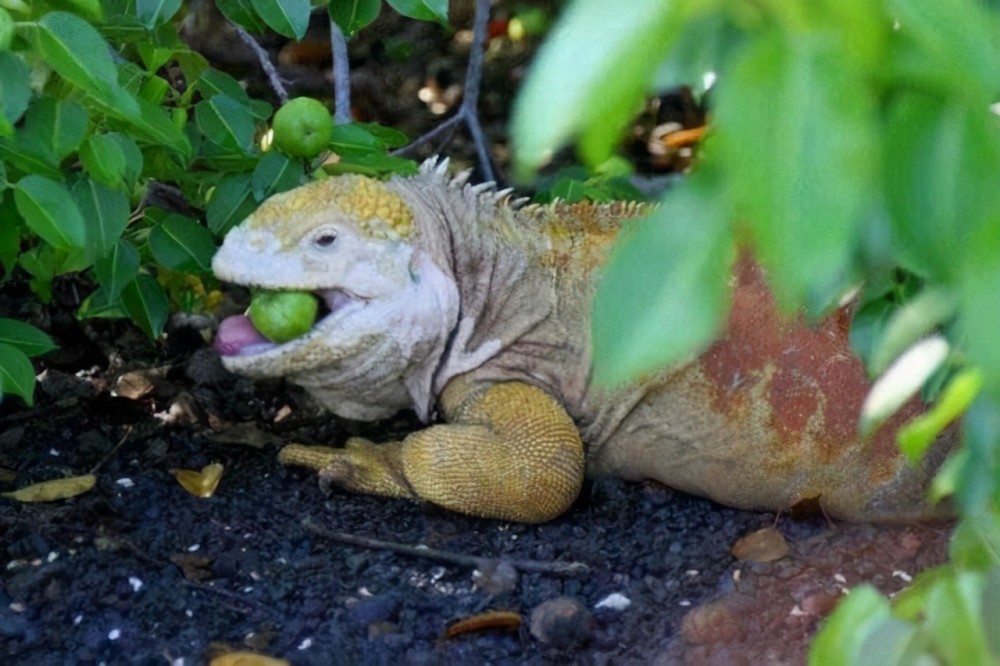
{"type": "Point", "coordinates": [283, 315]}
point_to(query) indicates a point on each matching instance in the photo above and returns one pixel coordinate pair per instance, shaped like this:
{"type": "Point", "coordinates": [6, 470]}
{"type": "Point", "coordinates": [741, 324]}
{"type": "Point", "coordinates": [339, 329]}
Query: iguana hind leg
{"type": "Point", "coordinates": [508, 450]}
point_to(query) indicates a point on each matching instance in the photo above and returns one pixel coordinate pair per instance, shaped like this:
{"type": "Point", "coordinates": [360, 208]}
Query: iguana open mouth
{"type": "Point", "coordinates": [237, 335]}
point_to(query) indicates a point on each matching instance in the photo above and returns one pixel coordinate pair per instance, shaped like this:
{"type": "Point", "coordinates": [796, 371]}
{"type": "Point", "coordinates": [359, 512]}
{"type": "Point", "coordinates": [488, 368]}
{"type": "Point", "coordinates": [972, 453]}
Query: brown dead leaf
{"type": "Point", "coordinates": [134, 385]}
{"type": "Point", "coordinates": [764, 545]}
{"type": "Point", "coordinates": [7, 475]}
{"type": "Point", "coordinates": [194, 566]}
{"type": "Point", "coordinates": [200, 484]}
{"type": "Point", "coordinates": [246, 434]}
{"type": "Point", "coordinates": [56, 489]}
{"type": "Point", "coordinates": [246, 659]}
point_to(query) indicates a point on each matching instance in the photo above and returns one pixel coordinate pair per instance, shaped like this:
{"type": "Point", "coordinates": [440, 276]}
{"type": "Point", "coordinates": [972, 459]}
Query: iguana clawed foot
{"type": "Point", "coordinates": [509, 451]}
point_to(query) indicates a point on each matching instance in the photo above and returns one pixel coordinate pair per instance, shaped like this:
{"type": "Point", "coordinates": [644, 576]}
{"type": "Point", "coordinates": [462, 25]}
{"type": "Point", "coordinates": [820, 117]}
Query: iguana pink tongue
{"type": "Point", "coordinates": [235, 334]}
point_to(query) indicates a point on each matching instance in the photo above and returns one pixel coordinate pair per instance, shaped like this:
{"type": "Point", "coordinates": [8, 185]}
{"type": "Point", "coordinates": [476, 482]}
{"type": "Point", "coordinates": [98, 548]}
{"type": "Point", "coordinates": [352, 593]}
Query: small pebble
{"type": "Point", "coordinates": [614, 601]}
{"type": "Point", "coordinates": [562, 622]}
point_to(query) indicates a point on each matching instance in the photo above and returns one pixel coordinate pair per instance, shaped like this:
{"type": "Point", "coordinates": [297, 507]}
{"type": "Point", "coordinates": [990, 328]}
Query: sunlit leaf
{"type": "Point", "coordinates": [902, 381]}
{"type": "Point", "coordinates": [918, 434]}
{"type": "Point", "coordinates": [57, 489]}
{"type": "Point", "coordinates": [202, 483]}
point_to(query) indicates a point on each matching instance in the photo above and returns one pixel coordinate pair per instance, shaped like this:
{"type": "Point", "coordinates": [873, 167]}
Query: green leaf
{"type": "Point", "coordinates": [991, 610]}
{"type": "Point", "coordinates": [286, 17]}
{"type": "Point", "coordinates": [352, 15]}
{"type": "Point", "coordinates": [231, 202]}
{"type": "Point", "coordinates": [180, 243]}
{"type": "Point", "coordinates": [17, 377]}
{"type": "Point", "coordinates": [117, 268]}
{"type": "Point", "coordinates": [133, 157]}
{"type": "Point", "coordinates": [422, 10]}
{"type": "Point", "coordinates": [15, 90]}
{"type": "Point", "coordinates": [88, 9]}
{"type": "Point", "coordinates": [594, 90]}
{"type": "Point", "coordinates": [241, 12]}
{"type": "Point", "coordinates": [28, 154]}
{"type": "Point", "coordinates": [953, 609]}
{"type": "Point", "coordinates": [918, 434]}
{"type": "Point", "coordinates": [914, 320]}
{"type": "Point", "coordinates": [103, 159]}
{"type": "Point", "coordinates": [78, 53]}
{"type": "Point", "coordinates": [49, 210]}
{"type": "Point", "coordinates": [60, 125]}
{"type": "Point", "coordinates": [225, 122]}
{"type": "Point", "coordinates": [354, 140]}
{"type": "Point", "coordinates": [24, 337]}
{"type": "Point", "coordinates": [151, 124]}
{"type": "Point", "coordinates": [147, 305]}
{"type": "Point", "coordinates": [664, 292]}
{"type": "Point", "coordinates": [101, 304]}
{"type": "Point", "coordinates": [975, 543]}
{"type": "Point", "coordinates": [105, 213]}
{"type": "Point", "coordinates": [891, 642]}
{"type": "Point", "coordinates": [154, 12]}
{"type": "Point", "coordinates": [795, 130]}
{"type": "Point", "coordinates": [275, 173]}
{"type": "Point", "coordinates": [387, 136]}
{"type": "Point", "coordinates": [839, 641]}
{"type": "Point", "coordinates": [372, 164]}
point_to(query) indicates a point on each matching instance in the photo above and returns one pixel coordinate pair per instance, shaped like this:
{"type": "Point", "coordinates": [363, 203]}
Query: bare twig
{"type": "Point", "coordinates": [570, 569]}
{"type": "Point", "coordinates": [468, 111]}
{"type": "Point", "coordinates": [341, 75]}
{"type": "Point", "coordinates": [265, 63]}
{"type": "Point", "coordinates": [128, 431]}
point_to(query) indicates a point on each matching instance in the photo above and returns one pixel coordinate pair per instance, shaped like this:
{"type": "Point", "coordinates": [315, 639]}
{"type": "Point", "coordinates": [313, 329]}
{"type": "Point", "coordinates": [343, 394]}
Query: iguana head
{"type": "Point", "coordinates": [387, 310]}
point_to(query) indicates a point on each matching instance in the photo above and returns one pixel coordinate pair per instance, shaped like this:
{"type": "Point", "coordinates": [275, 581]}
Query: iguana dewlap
{"type": "Point", "coordinates": [452, 300]}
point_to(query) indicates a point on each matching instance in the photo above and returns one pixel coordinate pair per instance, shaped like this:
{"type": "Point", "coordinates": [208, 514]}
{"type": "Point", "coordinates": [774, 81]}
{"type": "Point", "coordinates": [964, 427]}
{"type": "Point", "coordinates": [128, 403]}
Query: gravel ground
{"type": "Point", "coordinates": [139, 571]}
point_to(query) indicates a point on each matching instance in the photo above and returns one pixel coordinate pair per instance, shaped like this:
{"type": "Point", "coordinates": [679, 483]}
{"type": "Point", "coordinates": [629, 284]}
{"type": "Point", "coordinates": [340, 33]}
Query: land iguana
{"type": "Point", "coordinates": [473, 310]}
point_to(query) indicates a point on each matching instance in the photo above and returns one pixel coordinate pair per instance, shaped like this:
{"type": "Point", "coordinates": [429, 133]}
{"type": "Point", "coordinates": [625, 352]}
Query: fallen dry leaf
{"type": "Point", "coordinates": [764, 545]}
{"type": "Point", "coordinates": [246, 659]}
{"type": "Point", "coordinates": [56, 489]}
{"type": "Point", "coordinates": [199, 484]}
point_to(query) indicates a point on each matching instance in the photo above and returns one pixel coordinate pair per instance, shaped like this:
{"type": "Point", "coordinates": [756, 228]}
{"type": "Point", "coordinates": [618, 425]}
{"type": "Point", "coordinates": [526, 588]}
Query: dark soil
{"type": "Point", "coordinates": [140, 571]}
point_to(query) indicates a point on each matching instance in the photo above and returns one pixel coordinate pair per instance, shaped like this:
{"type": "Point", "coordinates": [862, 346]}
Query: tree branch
{"type": "Point", "coordinates": [265, 63]}
{"type": "Point", "coordinates": [341, 75]}
{"type": "Point", "coordinates": [470, 561]}
{"type": "Point", "coordinates": [468, 111]}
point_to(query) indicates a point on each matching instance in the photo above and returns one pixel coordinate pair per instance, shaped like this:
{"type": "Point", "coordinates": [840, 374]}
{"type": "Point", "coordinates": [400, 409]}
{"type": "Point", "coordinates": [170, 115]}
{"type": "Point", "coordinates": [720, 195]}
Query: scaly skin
{"type": "Point", "coordinates": [512, 434]}
{"type": "Point", "coordinates": [452, 298]}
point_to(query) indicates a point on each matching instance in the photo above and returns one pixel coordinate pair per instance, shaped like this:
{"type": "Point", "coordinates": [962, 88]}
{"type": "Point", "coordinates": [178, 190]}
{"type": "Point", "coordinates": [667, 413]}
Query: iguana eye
{"type": "Point", "coordinates": [325, 239]}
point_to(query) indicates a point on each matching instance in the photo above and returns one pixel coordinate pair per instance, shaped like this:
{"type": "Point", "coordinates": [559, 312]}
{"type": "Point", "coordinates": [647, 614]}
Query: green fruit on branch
{"type": "Point", "coordinates": [302, 127]}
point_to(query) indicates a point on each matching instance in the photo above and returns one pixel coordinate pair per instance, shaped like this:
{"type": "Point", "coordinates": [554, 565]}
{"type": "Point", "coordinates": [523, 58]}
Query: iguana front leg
{"type": "Point", "coordinates": [508, 451]}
